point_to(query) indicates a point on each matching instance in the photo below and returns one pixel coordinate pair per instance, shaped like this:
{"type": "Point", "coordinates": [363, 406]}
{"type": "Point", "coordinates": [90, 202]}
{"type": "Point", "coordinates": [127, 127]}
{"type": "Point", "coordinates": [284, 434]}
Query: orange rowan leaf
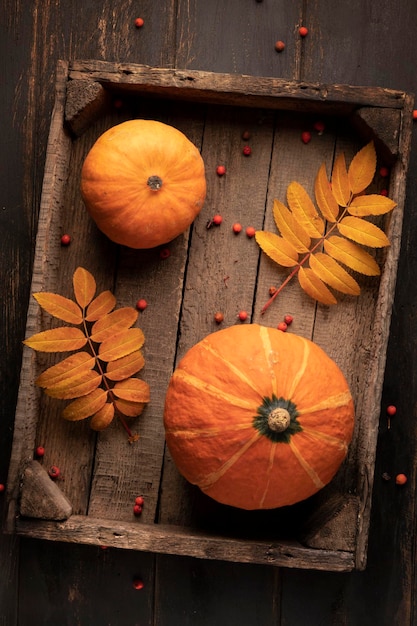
{"type": "Point", "coordinates": [84, 286]}
{"type": "Point", "coordinates": [314, 287]}
{"type": "Point", "coordinates": [352, 255]}
{"type": "Point", "coordinates": [103, 417]}
{"type": "Point", "coordinates": [289, 228]}
{"type": "Point", "coordinates": [60, 307]}
{"type": "Point", "coordinates": [84, 407]}
{"type": "Point", "coordinates": [130, 409]}
{"type": "Point", "coordinates": [363, 232]}
{"type": "Point", "coordinates": [372, 204]}
{"type": "Point", "coordinates": [78, 363]}
{"type": "Point", "coordinates": [75, 386]}
{"type": "Point", "coordinates": [112, 323]}
{"type": "Point", "coordinates": [304, 211]}
{"type": "Point", "coordinates": [277, 248]}
{"type": "Point", "coordinates": [333, 274]}
{"type": "Point", "coordinates": [340, 181]}
{"type": "Point", "coordinates": [324, 196]}
{"type": "Point", "coordinates": [126, 366]}
{"type": "Point", "coordinates": [101, 305]}
{"type": "Point", "coordinates": [132, 389]}
{"type": "Point", "coordinates": [121, 344]}
{"type": "Point", "coordinates": [362, 168]}
{"type": "Point", "coordinates": [63, 339]}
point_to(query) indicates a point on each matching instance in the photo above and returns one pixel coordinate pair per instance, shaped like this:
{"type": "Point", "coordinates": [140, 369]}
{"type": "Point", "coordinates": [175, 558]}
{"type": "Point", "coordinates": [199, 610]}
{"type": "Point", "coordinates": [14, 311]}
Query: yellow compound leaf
{"type": "Point", "coordinates": [63, 339]}
{"type": "Point", "coordinates": [126, 366]}
{"type": "Point", "coordinates": [76, 364]}
{"type": "Point", "coordinates": [325, 199]}
{"type": "Point", "coordinates": [304, 211]}
{"type": "Point", "coordinates": [351, 255]}
{"type": "Point", "coordinates": [362, 169]}
{"type": "Point", "coordinates": [103, 417]}
{"type": "Point", "coordinates": [60, 307]}
{"type": "Point", "coordinates": [277, 248]}
{"type": "Point", "coordinates": [333, 274]}
{"type": "Point", "coordinates": [84, 286]}
{"type": "Point", "coordinates": [130, 409]}
{"type": "Point", "coordinates": [121, 344]}
{"type": "Point", "coordinates": [113, 323]}
{"type": "Point", "coordinates": [132, 390]}
{"type": "Point", "coordinates": [314, 287]}
{"type": "Point", "coordinates": [373, 204]}
{"type": "Point", "coordinates": [289, 228]}
{"type": "Point", "coordinates": [75, 386]}
{"type": "Point", "coordinates": [84, 407]}
{"type": "Point", "coordinates": [100, 306]}
{"type": "Point", "coordinates": [363, 232]}
{"type": "Point", "coordinates": [340, 181]}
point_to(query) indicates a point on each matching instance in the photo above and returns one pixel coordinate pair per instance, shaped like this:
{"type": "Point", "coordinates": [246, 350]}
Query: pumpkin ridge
{"type": "Point", "coordinates": [192, 433]}
{"type": "Point", "coordinates": [272, 453]}
{"type": "Point", "coordinates": [331, 402]}
{"type": "Point", "coordinates": [307, 468]}
{"type": "Point", "coordinates": [317, 434]}
{"type": "Point", "coordinates": [212, 478]}
{"type": "Point", "coordinates": [201, 385]}
{"type": "Point", "coordinates": [233, 368]}
{"type": "Point", "coordinates": [302, 367]}
{"type": "Point", "coordinates": [267, 346]}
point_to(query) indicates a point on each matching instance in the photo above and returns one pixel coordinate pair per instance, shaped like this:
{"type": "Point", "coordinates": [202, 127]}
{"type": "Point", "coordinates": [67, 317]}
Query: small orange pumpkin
{"type": "Point", "coordinates": [143, 183]}
{"type": "Point", "coordinates": [258, 418]}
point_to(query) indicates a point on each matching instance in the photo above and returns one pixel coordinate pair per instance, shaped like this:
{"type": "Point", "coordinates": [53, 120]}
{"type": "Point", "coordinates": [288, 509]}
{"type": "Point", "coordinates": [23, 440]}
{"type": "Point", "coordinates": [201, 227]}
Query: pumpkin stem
{"type": "Point", "coordinates": [279, 419]}
{"type": "Point", "coordinates": [154, 182]}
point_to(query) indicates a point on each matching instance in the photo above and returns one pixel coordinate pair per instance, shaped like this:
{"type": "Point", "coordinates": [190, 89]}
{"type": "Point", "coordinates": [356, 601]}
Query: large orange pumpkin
{"type": "Point", "coordinates": [143, 183]}
{"type": "Point", "coordinates": [258, 418]}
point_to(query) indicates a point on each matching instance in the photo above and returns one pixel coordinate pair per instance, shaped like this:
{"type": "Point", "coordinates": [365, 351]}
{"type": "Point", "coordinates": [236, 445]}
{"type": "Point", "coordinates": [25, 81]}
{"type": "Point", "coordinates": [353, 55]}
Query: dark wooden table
{"type": "Point", "coordinates": [359, 43]}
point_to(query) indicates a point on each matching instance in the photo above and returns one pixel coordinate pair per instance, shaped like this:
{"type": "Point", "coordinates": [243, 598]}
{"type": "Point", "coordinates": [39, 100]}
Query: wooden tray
{"type": "Point", "coordinates": [209, 269]}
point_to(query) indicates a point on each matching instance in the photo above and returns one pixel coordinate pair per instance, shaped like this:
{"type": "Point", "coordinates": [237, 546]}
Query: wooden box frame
{"type": "Point", "coordinates": [334, 532]}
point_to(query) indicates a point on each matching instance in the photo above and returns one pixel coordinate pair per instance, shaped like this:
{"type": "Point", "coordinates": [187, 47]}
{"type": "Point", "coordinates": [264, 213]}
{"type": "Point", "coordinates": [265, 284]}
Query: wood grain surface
{"type": "Point", "coordinates": [357, 43]}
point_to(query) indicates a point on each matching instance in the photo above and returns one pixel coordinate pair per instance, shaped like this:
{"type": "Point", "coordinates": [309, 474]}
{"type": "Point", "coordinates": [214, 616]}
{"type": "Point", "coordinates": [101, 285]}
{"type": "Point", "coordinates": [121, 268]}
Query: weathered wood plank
{"type": "Point", "coordinates": [180, 541]}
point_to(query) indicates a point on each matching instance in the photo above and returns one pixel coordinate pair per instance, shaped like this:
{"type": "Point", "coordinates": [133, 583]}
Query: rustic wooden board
{"type": "Point", "coordinates": [207, 270]}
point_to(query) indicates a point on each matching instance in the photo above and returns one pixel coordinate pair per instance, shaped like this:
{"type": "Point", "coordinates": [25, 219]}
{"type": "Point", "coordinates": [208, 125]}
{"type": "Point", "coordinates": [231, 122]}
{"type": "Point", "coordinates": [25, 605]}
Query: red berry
{"type": "Point", "coordinates": [272, 290]}
{"type": "Point", "coordinates": [139, 22]}
{"type": "Point", "coordinates": [139, 500]}
{"type": "Point", "coordinates": [415, 114]}
{"type": "Point", "coordinates": [137, 509]}
{"type": "Point", "coordinates": [218, 317]}
{"type": "Point", "coordinates": [384, 192]}
{"type": "Point", "coordinates": [2, 487]}
{"type": "Point", "coordinates": [247, 150]}
{"type": "Point", "coordinates": [243, 316]}
{"type": "Point", "coordinates": [246, 135]}
{"type": "Point", "coordinates": [65, 240]}
{"type": "Point", "coordinates": [138, 583]}
{"type": "Point", "coordinates": [250, 232]}
{"type": "Point", "coordinates": [237, 227]}
{"type": "Point", "coordinates": [118, 103]}
{"type": "Point", "coordinates": [165, 253]}
{"type": "Point", "coordinates": [220, 170]}
{"type": "Point", "coordinates": [104, 547]}
{"type": "Point", "coordinates": [401, 479]}
{"type": "Point", "coordinates": [383, 171]}
{"type": "Point", "coordinates": [282, 326]}
{"type": "Point", "coordinates": [279, 46]}
{"type": "Point", "coordinates": [391, 410]}
{"type": "Point", "coordinates": [217, 220]}
{"type": "Point", "coordinates": [319, 127]}
{"type": "Point", "coordinates": [288, 319]}
{"type": "Point", "coordinates": [54, 471]}
{"type": "Point", "coordinates": [141, 304]}
{"type": "Point", "coordinates": [40, 451]}
{"type": "Point", "coordinates": [303, 31]}
{"type": "Point", "coordinates": [306, 136]}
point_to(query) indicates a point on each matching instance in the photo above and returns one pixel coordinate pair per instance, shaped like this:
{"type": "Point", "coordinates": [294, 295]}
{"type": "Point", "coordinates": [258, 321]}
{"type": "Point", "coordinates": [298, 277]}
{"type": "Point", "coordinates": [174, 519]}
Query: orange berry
{"type": "Point", "coordinates": [391, 410]}
{"type": "Point", "coordinates": [65, 240]}
{"type": "Point", "coordinates": [306, 136]}
{"type": "Point", "coordinates": [139, 22]}
{"type": "Point", "coordinates": [218, 317]}
{"type": "Point", "coordinates": [282, 326]}
{"type": "Point", "coordinates": [383, 171]}
{"type": "Point", "coordinates": [401, 479]}
{"type": "Point", "coordinates": [415, 114]}
{"type": "Point", "coordinates": [243, 316]}
{"type": "Point", "coordinates": [288, 319]}
{"type": "Point", "coordinates": [303, 31]}
{"type": "Point", "coordinates": [220, 170]}
{"type": "Point", "coordinates": [279, 46]}
{"type": "Point", "coordinates": [250, 232]}
{"type": "Point", "coordinates": [138, 583]}
{"type": "Point", "coordinates": [217, 220]}
{"type": "Point", "coordinates": [237, 228]}
{"type": "Point", "coordinates": [141, 304]}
